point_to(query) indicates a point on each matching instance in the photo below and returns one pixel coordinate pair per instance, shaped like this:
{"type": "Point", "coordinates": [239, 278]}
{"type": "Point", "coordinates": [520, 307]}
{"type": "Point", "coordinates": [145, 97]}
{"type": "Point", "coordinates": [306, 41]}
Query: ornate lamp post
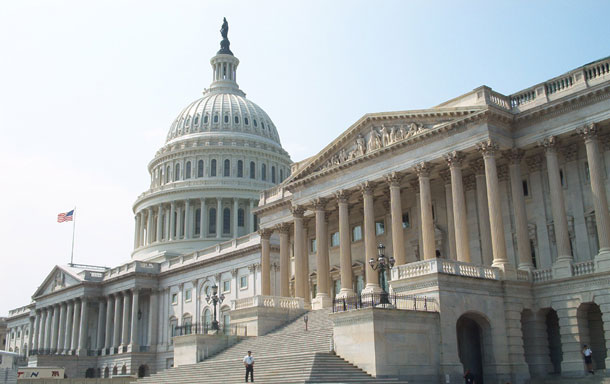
{"type": "Point", "coordinates": [214, 299]}
{"type": "Point", "coordinates": [382, 264]}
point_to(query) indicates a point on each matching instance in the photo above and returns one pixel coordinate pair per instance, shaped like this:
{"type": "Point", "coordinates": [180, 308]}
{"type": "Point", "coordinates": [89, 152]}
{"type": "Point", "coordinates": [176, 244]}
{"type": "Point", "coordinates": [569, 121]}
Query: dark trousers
{"type": "Point", "coordinates": [250, 370]}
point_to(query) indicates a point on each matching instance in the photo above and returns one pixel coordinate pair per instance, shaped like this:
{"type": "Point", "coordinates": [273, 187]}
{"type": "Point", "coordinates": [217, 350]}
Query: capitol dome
{"type": "Point", "coordinates": [219, 153]}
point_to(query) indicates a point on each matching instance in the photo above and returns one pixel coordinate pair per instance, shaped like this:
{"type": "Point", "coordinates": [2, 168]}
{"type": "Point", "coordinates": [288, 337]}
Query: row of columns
{"type": "Point", "coordinates": [492, 214]}
{"type": "Point", "coordinates": [156, 224]}
{"type": "Point", "coordinates": [61, 328]}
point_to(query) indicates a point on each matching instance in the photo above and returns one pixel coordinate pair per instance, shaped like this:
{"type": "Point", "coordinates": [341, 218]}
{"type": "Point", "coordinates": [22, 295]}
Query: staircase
{"type": "Point", "coordinates": [599, 378]}
{"type": "Point", "coordinates": [288, 354]}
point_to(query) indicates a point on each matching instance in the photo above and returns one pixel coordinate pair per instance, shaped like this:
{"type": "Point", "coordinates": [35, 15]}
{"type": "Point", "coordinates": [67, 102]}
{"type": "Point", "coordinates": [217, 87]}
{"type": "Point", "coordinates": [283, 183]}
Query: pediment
{"type": "Point", "coordinates": [376, 133]}
{"type": "Point", "coordinates": [59, 278]}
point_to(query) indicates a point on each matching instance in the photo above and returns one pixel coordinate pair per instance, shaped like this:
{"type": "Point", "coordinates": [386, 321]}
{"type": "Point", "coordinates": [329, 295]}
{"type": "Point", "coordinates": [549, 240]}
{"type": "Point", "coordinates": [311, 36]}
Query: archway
{"type": "Point", "coordinates": [124, 369]}
{"type": "Point", "coordinates": [115, 370]}
{"type": "Point", "coordinates": [554, 339]}
{"type": "Point", "coordinates": [143, 371]}
{"type": "Point", "coordinates": [106, 372]}
{"type": "Point", "coordinates": [591, 331]}
{"type": "Point", "coordinates": [474, 344]}
{"type": "Point", "coordinates": [90, 373]}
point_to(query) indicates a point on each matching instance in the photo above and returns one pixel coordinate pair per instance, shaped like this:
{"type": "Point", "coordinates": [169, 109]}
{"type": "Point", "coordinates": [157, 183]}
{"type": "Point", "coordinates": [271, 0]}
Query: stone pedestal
{"type": "Point", "coordinates": [321, 301]}
{"type": "Point", "coordinates": [262, 314]}
{"type": "Point", "coordinates": [562, 269]}
{"type": "Point", "coordinates": [192, 349]}
{"type": "Point", "coordinates": [602, 261]}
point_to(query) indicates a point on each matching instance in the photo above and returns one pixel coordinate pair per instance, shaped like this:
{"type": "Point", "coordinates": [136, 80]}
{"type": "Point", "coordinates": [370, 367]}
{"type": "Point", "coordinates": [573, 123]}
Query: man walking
{"type": "Point", "coordinates": [249, 364]}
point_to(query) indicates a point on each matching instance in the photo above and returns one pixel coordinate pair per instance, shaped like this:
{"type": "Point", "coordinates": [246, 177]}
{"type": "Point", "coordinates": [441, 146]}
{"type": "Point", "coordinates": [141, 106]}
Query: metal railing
{"type": "Point", "coordinates": [385, 300]}
{"type": "Point", "coordinates": [205, 328]}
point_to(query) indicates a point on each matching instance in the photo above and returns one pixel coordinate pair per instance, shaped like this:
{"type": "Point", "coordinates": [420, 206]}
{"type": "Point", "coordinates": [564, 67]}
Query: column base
{"type": "Point", "coordinates": [122, 348]}
{"type": "Point", "coordinates": [507, 270]}
{"type": "Point", "coordinates": [345, 293]}
{"type": "Point", "coordinates": [106, 351]}
{"type": "Point", "coordinates": [602, 260]}
{"type": "Point", "coordinates": [133, 348]}
{"type": "Point", "coordinates": [81, 352]}
{"type": "Point", "coordinates": [562, 268]}
{"type": "Point", "coordinates": [321, 301]}
{"type": "Point", "coordinates": [371, 288]}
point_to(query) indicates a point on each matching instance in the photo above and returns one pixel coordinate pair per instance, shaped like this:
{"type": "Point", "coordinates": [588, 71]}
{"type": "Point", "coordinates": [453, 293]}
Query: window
{"type": "Point", "coordinates": [226, 286]}
{"type": "Point", "coordinates": [313, 245]}
{"type": "Point", "coordinates": [196, 120]}
{"type": "Point", "coordinates": [167, 171]}
{"type": "Point", "coordinates": [177, 173]}
{"type": "Point", "coordinates": [200, 168]}
{"type": "Point", "coordinates": [337, 286]}
{"type": "Point", "coordinates": [255, 124]}
{"type": "Point", "coordinates": [246, 120]}
{"type": "Point", "coordinates": [226, 221]}
{"type": "Point", "coordinates": [379, 227]}
{"type": "Point", "coordinates": [273, 174]}
{"type": "Point", "coordinates": [197, 221]}
{"type": "Point", "coordinates": [227, 168]}
{"type": "Point", "coordinates": [357, 233]}
{"type": "Point", "coordinates": [212, 221]}
{"type": "Point", "coordinates": [281, 175]}
{"type": "Point", "coordinates": [213, 167]}
{"type": "Point", "coordinates": [263, 124]}
{"type": "Point", "coordinates": [243, 282]}
{"type": "Point", "coordinates": [187, 320]}
{"type": "Point", "coordinates": [255, 223]}
{"type": "Point", "coordinates": [240, 217]}
{"type": "Point", "coordinates": [173, 323]}
{"type": "Point", "coordinates": [226, 119]}
{"type": "Point", "coordinates": [252, 170]}
{"type": "Point", "coordinates": [236, 120]}
{"type": "Point", "coordinates": [264, 172]}
{"type": "Point", "coordinates": [188, 293]}
{"type": "Point", "coordinates": [526, 188]}
{"type": "Point", "coordinates": [359, 284]}
{"type": "Point", "coordinates": [334, 239]}
{"type": "Point", "coordinates": [533, 253]}
{"type": "Point", "coordinates": [207, 318]}
{"type": "Point", "coordinates": [240, 168]}
{"type": "Point", "coordinates": [187, 171]}
{"type": "Point", "coordinates": [216, 118]}
{"type": "Point", "coordinates": [174, 298]}
{"type": "Point", "coordinates": [205, 119]}
{"type": "Point", "coordinates": [406, 221]}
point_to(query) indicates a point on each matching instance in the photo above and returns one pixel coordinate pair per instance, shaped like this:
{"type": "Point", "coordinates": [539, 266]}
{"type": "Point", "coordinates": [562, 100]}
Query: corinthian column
{"type": "Point", "coordinates": [345, 246]}
{"type": "Point", "coordinates": [159, 235]}
{"type": "Point", "coordinates": [82, 338]}
{"type": "Point", "coordinates": [322, 299]}
{"type": "Point", "coordinates": [600, 202]}
{"type": "Point", "coordinates": [116, 335]}
{"type": "Point", "coordinates": [54, 329]}
{"type": "Point", "coordinates": [265, 235]}
{"type": "Point", "coordinates": [172, 222]}
{"type": "Point", "coordinates": [284, 230]}
{"type": "Point", "coordinates": [524, 250]}
{"type": "Point", "coordinates": [133, 345]}
{"type": "Point", "coordinates": [498, 245]}
{"type": "Point", "coordinates": [75, 327]}
{"type": "Point", "coordinates": [125, 327]}
{"type": "Point", "coordinates": [478, 166]}
{"type": "Point", "coordinates": [109, 316]}
{"type": "Point", "coordinates": [427, 223]}
{"type": "Point", "coordinates": [370, 243]}
{"type": "Point", "coordinates": [562, 267]}
{"type": "Point", "coordinates": [299, 252]}
{"type": "Point", "coordinates": [398, 239]}
{"type": "Point", "coordinates": [68, 327]}
{"type": "Point", "coordinates": [454, 160]}
{"type": "Point", "coordinates": [136, 240]}
{"type": "Point", "coordinates": [187, 219]}
{"type": "Point", "coordinates": [60, 330]}
{"type": "Point", "coordinates": [203, 211]}
{"type": "Point", "coordinates": [149, 225]}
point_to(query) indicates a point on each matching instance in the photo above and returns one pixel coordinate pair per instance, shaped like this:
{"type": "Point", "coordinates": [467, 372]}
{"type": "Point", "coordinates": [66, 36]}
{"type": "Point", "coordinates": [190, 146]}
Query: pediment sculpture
{"type": "Point", "coordinates": [59, 281]}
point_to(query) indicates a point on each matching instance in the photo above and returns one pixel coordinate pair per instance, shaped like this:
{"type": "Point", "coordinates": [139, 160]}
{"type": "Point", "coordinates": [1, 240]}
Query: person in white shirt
{"type": "Point", "coordinates": [588, 354]}
{"type": "Point", "coordinates": [249, 364]}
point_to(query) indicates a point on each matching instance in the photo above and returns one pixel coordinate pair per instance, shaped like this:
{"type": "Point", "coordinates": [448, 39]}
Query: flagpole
{"type": "Point", "coordinates": [73, 230]}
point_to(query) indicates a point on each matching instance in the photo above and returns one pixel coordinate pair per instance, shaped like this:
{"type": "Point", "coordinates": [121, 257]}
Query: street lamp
{"type": "Point", "coordinates": [382, 264]}
{"type": "Point", "coordinates": [215, 299]}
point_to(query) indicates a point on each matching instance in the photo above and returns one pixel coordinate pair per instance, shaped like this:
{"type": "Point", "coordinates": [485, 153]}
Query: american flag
{"type": "Point", "coordinates": [67, 216]}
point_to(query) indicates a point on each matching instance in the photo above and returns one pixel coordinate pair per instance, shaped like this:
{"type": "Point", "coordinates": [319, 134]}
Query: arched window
{"type": "Point", "coordinates": [252, 170]}
{"type": "Point", "coordinates": [240, 217]}
{"type": "Point", "coordinates": [115, 371]}
{"type": "Point", "coordinates": [197, 221]}
{"type": "Point", "coordinates": [226, 221]}
{"type": "Point", "coordinates": [281, 175]}
{"type": "Point", "coordinates": [263, 124]}
{"type": "Point", "coordinates": [200, 168]}
{"type": "Point", "coordinates": [240, 168]}
{"type": "Point", "coordinates": [124, 369]}
{"type": "Point", "coordinates": [205, 119]}
{"type": "Point", "coordinates": [196, 121]}
{"type": "Point", "coordinates": [216, 118]}
{"type": "Point", "coordinates": [187, 171]}
{"type": "Point", "coordinates": [273, 174]}
{"type": "Point", "coordinates": [187, 321]}
{"type": "Point", "coordinates": [246, 120]}
{"type": "Point", "coordinates": [226, 119]}
{"type": "Point", "coordinates": [264, 172]}
{"type": "Point", "coordinates": [207, 319]}
{"type": "Point", "coordinates": [227, 168]}
{"type": "Point", "coordinates": [167, 171]}
{"type": "Point", "coordinates": [177, 173]}
{"type": "Point", "coordinates": [236, 120]}
{"type": "Point", "coordinates": [212, 221]}
{"type": "Point", "coordinates": [213, 168]}
{"type": "Point", "coordinates": [173, 323]}
{"type": "Point", "coordinates": [255, 124]}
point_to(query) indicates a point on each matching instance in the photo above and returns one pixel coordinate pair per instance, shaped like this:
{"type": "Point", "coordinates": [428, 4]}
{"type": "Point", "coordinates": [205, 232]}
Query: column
{"type": "Point", "coordinates": [305, 269]}
{"type": "Point", "coordinates": [54, 328]}
{"type": "Point", "coordinates": [600, 202]}
{"type": "Point", "coordinates": [202, 219]}
{"type": "Point", "coordinates": [398, 240]}
{"type": "Point", "coordinates": [218, 218]}
{"type": "Point", "coordinates": [284, 230]}
{"type": "Point", "coordinates": [133, 345]}
{"type": "Point", "coordinates": [142, 240]}
{"type": "Point", "coordinates": [149, 226]}
{"type": "Point", "coordinates": [116, 330]}
{"type": "Point", "coordinates": [561, 267]}
{"type": "Point", "coordinates": [235, 218]}
{"type": "Point", "coordinates": [370, 240]}
{"type": "Point", "coordinates": [61, 329]}
{"type": "Point", "coordinates": [100, 325]}
{"type": "Point", "coordinates": [82, 337]}
{"type": "Point", "coordinates": [478, 166]}
{"type": "Point", "coordinates": [36, 333]}
{"type": "Point", "coordinates": [168, 217]}
{"type": "Point", "coordinates": [172, 222]}
{"type": "Point", "coordinates": [125, 327]}
{"type": "Point", "coordinates": [179, 222]}
{"type": "Point", "coordinates": [251, 216]}
{"type": "Point", "coordinates": [345, 246]}
{"type": "Point", "coordinates": [159, 236]}
{"type": "Point", "coordinates": [488, 149]}
{"type": "Point", "coordinates": [425, 202]}
{"type": "Point", "coordinates": [31, 335]}
{"type": "Point", "coordinates": [43, 326]}
{"type": "Point", "coordinates": [462, 249]}
{"type": "Point", "coordinates": [265, 234]}
{"type": "Point", "coordinates": [108, 332]}
{"type": "Point", "coordinates": [446, 176]}
{"type": "Point", "coordinates": [136, 241]}
{"type": "Point", "coordinates": [322, 299]}
{"type": "Point", "coordinates": [75, 326]}
{"type": "Point", "coordinates": [299, 257]}
{"type": "Point", "coordinates": [524, 250]}
{"type": "Point", "coordinates": [187, 219]}
{"type": "Point", "coordinates": [152, 318]}
{"type": "Point", "coordinates": [68, 327]}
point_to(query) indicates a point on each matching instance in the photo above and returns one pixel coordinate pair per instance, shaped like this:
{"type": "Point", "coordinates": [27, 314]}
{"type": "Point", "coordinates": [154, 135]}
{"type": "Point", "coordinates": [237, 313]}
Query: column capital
{"type": "Point", "coordinates": [393, 179]}
{"type": "Point", "coordinates": [283, 228]}
{"type": "Point", "coordinates": [297, 211]}
{"type": "Point", "coordinates": [488, 148]}
{"type": "Point", "coordinates": [366, 188]}
{"type": "Point", "coordinates": [423, 169]}
{"type": "Point", "coordinates": [319, 204]}
{"type": "Point", "coordinates": [534, 162]}
{"type": "Point", "coordinates": [549, 144]}
{"type": "Point", "coordinates": [454, 159]}
{"type": "Point", "coordinates": [265, 233]}
{"type": "Point", "coordinates": [588, 131]}
{"type": "Point", "coordinates": [514, 155]}
{"type": "Point", "coordinates": [342, 196]}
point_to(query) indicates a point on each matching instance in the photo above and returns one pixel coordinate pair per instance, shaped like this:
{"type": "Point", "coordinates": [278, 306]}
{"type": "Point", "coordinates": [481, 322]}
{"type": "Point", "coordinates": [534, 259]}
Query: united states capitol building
{"type": "Point", "coordinates": [492, 207]}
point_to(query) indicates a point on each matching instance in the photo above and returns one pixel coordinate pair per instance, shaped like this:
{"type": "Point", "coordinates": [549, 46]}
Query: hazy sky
{"type": "Point", "coordinates": [89, 89]}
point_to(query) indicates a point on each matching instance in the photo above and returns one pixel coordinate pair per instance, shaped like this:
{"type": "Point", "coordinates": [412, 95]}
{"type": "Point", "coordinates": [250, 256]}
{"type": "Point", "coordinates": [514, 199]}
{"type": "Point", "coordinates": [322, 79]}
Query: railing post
{"type": "Point", "coordinates": [425, 303]}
